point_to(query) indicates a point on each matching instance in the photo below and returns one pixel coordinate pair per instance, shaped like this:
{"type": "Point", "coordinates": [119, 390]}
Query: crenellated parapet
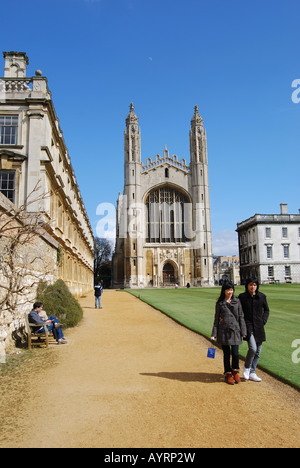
{"type": "Point", "coordinates": [165, 159]}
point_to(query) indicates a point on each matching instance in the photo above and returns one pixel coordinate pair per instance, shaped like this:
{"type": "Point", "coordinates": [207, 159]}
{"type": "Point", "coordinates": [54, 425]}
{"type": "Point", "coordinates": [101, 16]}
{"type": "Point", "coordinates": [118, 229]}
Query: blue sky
{"type": "Point", "coordinates": [235, 59]}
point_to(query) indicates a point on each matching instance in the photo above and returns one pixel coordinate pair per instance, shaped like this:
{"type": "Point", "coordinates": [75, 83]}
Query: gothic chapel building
{"type": "Point", "coordinates": [163, 234]}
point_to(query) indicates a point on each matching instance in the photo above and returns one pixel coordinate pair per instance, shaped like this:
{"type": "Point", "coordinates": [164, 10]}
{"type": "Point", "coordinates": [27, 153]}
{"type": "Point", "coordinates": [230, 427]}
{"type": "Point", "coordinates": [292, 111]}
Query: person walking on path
{"type": "Point", "coordinates": [98, 293]}
{"type": "Point", "coordinates": [229, 328]}
{"type": "Point", "coordinates": [256, 311]}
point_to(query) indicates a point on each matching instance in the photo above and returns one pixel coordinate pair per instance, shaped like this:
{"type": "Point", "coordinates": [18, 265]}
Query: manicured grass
{"type": "Point", "coordinates": [195, 308]}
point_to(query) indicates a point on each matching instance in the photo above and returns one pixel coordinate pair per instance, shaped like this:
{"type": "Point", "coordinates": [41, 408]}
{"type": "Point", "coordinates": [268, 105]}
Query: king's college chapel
{"type": "Point", "coordinates": [163, 217]}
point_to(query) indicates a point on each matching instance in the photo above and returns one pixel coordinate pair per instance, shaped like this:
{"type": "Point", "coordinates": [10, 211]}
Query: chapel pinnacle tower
{"type": "Point", "coordinates": [163, 217]}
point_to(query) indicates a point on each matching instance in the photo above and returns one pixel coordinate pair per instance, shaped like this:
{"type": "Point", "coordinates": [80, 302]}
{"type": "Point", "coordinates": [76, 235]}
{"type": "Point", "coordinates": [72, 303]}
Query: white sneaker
{"type": "Point", "coordinates": [246, 373]}
{"type": "Point", "coordinates": [254, 377]}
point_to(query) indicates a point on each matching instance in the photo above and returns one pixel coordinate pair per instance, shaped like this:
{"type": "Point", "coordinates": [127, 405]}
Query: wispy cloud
{"type": "Point", "coordinates": [225, 243]}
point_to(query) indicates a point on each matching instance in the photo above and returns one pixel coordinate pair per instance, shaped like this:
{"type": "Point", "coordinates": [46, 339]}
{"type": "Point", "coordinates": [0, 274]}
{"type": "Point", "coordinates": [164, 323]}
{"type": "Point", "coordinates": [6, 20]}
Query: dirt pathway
{"type": "Point", "coordinates": [131, 377]}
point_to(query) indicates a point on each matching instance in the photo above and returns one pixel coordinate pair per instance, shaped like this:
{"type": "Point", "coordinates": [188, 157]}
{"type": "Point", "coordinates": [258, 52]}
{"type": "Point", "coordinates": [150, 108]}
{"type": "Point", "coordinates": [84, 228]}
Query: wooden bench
{"type": "Point", "coordinates": [37, 334]}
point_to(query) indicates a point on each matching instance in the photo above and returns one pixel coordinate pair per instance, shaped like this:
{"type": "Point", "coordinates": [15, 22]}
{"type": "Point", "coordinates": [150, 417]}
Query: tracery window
{"type": "Point", "coordinates": [165, 216]}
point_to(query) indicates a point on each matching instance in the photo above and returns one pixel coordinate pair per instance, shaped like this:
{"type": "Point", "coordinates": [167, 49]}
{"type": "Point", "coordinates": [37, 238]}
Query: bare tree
{"type": "Point", "coordinates": [103, 249]}
{"type": "Point", "coordinates": [24, 260]}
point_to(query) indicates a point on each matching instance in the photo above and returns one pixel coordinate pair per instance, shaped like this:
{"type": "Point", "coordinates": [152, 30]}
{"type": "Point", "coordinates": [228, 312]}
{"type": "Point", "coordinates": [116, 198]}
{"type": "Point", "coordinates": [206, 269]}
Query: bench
{"type": "Point", "coordinates": [37, 334]}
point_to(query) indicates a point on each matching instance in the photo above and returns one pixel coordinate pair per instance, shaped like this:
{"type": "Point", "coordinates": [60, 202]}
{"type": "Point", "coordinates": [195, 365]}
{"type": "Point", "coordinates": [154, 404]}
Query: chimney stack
{"type": "Point", "coordinates": [15, 64]}
{"type": "Point", "coordinates": [283, 208]}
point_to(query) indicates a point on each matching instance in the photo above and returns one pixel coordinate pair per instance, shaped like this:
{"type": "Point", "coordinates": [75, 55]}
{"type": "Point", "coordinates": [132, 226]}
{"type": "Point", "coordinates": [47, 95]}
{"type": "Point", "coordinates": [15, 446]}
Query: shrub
{"type": "Point", "coordinates": [59, 301]}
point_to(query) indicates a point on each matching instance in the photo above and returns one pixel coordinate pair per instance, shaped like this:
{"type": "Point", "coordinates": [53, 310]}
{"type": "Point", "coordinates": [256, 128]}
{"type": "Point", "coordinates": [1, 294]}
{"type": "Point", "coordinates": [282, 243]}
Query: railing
{"type": "Point", "coordinates": [27, 87]}
{"type": "Point", "coordinates": [15, 85]}
{"type": "Point", "coordinates": [163, 282]}
{"type": "Point", "coordinates": [269, 218]}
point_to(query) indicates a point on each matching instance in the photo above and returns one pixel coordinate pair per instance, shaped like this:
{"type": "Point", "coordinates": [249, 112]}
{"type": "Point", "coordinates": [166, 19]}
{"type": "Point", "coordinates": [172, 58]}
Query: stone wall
{"type": "Point", "coordinates": [28, 255]}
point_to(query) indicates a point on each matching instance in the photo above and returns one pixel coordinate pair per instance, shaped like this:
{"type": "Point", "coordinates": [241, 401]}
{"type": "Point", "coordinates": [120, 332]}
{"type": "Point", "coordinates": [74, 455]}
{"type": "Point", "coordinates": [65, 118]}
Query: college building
{"type": "Point", "coordinates": [269, 247]}
{"type": "Point", "coordinates": [163, 235]}
{"type": "Point", "coordinates": [34, 160]}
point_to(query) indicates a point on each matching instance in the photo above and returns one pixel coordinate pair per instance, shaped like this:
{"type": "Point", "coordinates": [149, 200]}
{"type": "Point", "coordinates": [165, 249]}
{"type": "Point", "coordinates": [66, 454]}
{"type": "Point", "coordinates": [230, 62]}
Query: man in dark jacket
{"type": "Point", "coordinates": [98, 293]}
{"type": "Point", "coordinates": [256, 313]}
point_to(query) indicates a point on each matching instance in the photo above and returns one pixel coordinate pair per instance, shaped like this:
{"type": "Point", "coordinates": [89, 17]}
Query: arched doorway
{"type": "Point", "coordinates": [169, 274]}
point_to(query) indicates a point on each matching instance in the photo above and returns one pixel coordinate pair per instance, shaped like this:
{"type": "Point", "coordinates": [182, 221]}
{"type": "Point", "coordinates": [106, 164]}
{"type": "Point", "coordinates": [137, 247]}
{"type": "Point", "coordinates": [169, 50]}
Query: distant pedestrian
{"type": "Point", "coordinates": [98, 293]}
{"type": "Point", "coordinates": [256, 311]}
{"type": "Point", "coordinates": [229, 328]}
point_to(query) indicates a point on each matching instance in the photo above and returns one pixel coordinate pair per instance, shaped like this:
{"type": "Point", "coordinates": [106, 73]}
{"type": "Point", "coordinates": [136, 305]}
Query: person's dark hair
{"type": "Point", "coordinates": [36, 305]}
{"type": "Point", "coordinates": [226, 285]}
{"type": "Point", "coordinates": [251, 279]}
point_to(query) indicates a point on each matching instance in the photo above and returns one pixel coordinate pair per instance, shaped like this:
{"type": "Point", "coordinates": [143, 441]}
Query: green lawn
{"type": "Point", "coordinates": [195, 308]}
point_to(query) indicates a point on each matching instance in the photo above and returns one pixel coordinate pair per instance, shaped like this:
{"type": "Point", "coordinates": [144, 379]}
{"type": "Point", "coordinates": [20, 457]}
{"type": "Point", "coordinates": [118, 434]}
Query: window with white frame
{"type": "Point", "coordinates": [268, 233]}
{"type": "Point", "coordinates": [284, 232]}
{"type": "Point", "coordinates": [287, 270]}
{"type": "Point", "coordinates": [8, 129]}
{"type": "Point", "coordinates": [286, 251]}
{"type": "Point", "coordinates": [271, 271]}
{"type": "Point", "coordinates": [269, 251]}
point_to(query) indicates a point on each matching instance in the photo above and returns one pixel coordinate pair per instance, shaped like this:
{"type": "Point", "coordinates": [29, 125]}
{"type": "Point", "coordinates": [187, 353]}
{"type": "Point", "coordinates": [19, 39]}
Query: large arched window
{"type": "Point", "coordinates": [165, 215]}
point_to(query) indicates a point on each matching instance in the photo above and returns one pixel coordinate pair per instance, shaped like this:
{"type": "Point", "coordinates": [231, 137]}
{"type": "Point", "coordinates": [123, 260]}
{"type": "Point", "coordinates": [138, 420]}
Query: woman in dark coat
{"type": "Point", "coordinates": [256, 312]}
{"type": "Point", "coordinates": [229, 328]}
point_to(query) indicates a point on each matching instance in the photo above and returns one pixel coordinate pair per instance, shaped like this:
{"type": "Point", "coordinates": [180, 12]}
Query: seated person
{"type": "Point", "coordinates": [51, 323]}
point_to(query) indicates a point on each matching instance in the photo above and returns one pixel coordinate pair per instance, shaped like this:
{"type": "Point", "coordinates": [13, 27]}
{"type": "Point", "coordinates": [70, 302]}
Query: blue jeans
{"type": "Point", "coordinates": [98, 299]}
{"type": "Point", "coordinates": [57, 332]}
{"type": "Point", "coordinates": [253, 354]}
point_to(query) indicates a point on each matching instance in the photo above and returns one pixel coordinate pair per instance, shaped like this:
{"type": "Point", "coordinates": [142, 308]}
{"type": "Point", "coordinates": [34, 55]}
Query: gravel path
{"type": "Point", "coordinates": [130, 377]}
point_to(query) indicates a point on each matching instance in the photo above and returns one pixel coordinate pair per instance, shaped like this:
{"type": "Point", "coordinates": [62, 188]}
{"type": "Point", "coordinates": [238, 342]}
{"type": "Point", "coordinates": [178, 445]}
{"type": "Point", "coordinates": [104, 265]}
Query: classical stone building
{"type": "Point", "coordinates": [227, 268]}
{"type": "Point", "coordinates": [28, 255]}
{"type": "Point", "coordinates": [34, 159]}
{"type": "Point", "coordinates": [269, 246]}
{"type": "Point", "coordinates": [163, 217]}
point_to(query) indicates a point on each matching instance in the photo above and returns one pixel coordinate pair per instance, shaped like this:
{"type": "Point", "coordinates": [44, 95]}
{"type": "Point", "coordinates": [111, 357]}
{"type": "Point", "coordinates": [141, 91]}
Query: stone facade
{"type": "Point", "coordinates": [269, 246]}
{"type": "Point", "coordinates": [163, 216]}
{"type": "Point", "coordinates": [34, 159]}
{"type": "Point", "coordinates": [28, 255]}
{"type": "Point", "coordinates": [227, 268]}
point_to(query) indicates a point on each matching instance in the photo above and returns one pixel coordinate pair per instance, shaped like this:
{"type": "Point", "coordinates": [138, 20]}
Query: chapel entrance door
{"type": "Point", "coordinates": [168, 274]}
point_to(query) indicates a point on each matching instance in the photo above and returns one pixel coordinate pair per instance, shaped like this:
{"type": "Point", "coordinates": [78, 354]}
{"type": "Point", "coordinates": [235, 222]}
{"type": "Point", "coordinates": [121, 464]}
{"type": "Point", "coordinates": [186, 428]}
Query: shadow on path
{"type": "Point", "coordinates": [204, 377]}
